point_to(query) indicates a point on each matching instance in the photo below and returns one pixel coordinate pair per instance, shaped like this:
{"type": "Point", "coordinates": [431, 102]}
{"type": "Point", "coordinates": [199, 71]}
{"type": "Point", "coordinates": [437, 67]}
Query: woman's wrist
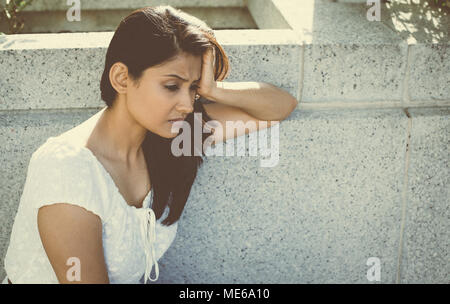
{"type": "Point", "coordinates": [214, 92]}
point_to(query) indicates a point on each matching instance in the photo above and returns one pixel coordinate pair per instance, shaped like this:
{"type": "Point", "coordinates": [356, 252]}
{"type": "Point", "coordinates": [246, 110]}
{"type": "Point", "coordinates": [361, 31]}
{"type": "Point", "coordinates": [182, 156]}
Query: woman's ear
{"type": "Point", "coordinates": [118, 75]}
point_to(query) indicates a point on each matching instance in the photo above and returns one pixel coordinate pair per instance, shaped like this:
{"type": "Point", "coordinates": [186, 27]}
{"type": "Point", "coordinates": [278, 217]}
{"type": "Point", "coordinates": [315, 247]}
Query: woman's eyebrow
{"type": "Point", "coordinates": [181, 78]}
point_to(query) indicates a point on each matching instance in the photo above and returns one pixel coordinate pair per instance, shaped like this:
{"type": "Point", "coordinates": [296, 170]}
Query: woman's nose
{"type": "Point", "coordinates": [186, 104]}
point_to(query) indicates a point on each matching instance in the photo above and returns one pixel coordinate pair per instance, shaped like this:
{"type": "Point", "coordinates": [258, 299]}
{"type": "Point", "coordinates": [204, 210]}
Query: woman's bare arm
{"type": "Point", "coordinates": [67, 231]}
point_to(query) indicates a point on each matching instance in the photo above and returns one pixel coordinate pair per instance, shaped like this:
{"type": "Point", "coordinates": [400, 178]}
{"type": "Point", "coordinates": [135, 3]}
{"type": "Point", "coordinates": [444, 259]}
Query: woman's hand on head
{"type": "Point", "coordinates": [207, 84]}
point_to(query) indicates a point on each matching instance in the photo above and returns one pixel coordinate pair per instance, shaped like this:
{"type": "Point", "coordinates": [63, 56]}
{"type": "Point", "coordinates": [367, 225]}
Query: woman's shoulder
{"type": "Point", "coordinates": [61, 154]}
{"type": "Point", "coordinates": [61, 171]}
{"type": "Point", "coordinates": [69, 145]}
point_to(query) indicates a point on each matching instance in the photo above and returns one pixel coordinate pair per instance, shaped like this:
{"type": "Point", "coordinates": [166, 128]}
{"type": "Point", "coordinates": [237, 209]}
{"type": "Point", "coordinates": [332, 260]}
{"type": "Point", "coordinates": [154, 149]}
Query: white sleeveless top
{"type": "Point", "coordinates": [63, 170]}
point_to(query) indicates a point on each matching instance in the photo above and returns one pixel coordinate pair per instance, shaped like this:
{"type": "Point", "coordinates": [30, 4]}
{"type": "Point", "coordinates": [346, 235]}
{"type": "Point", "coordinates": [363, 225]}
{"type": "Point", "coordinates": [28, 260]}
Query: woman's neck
{"type": "Point", "coordinates": [117, 137]}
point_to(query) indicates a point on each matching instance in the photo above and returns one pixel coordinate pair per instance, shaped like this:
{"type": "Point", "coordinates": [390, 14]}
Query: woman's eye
{"type": "Point", "coordinates": [172, 88]}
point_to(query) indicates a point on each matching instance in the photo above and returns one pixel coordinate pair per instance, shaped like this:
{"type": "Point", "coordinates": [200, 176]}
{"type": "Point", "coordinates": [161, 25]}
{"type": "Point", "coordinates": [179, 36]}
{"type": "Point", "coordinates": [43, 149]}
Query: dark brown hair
{"type": "Point", "coordinates": [148, 37]}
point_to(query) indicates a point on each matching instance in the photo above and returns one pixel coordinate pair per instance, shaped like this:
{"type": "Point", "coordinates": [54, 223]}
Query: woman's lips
{"type": "Point", "coordinates": [173, 121]}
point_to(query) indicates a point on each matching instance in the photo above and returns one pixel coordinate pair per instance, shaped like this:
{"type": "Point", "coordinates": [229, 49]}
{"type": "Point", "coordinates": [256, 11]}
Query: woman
{"type": "Point", "coordinates": [87, 213]}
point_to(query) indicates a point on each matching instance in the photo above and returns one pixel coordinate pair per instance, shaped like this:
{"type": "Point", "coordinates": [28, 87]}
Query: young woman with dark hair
{"type": "Point", "coordinates": [95, 196]}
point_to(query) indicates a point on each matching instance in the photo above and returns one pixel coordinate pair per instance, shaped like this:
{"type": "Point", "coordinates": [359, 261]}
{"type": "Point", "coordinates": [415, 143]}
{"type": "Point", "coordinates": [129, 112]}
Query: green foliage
{"type": "Point", "coordinates": [441, 3]}
{"type": "Point", "coordinates": [10, 11]}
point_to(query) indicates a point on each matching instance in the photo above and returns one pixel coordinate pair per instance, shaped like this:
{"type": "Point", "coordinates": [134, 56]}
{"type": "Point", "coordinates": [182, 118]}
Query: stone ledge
{"type": "Point", "coordinates": [70, 65]}
{"type": "Point", "coordinates": [342, 57]}
{"type": "Point", "coordinates": [102, 39]}
{"type": "Point", "coordinates": [58, 5]}
{"type": "Point", "coordinates": [350, 58]}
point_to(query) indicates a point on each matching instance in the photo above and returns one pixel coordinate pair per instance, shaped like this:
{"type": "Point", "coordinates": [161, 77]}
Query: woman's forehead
{"type": "Point", "coordinates": [186, 66]}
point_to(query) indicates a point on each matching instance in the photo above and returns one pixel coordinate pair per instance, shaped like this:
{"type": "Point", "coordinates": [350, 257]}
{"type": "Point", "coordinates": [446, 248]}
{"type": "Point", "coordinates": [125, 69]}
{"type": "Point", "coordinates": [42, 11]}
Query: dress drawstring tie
{"type": "Point", "coordinates": [148, 232]}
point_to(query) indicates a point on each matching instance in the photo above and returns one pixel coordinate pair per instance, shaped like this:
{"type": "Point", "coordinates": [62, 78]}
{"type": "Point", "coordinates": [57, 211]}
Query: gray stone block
{"type": "Point", "coordinates": [267, 15]}
{"type": "Point", "coordinates": [271, 56]}
{"type": "Point", "coordinates": [354, 72]}
{"type": "Point", "coordinates": [45, 5]}
{"type": "Point", "coordinates": [426, 244]}
{"type": "Point", "coordinates": [64, 70]}
{"type": "Point", "coordinates": [347, 58]}
{"type": "Point", "coordinates": [333, 201]}
{"type": "Point", "coordinates": [425, 28]}
{"type": "Point", "coordinates": [224, 17]}
{"type": "Point", "coordinates": [429, 76]}
{"type": "Point", "coordinates": [103, 20]}
{"type": "Point", "coordinates": [50, 78]}
{"type": "Point", "coordinates": [48, 71]}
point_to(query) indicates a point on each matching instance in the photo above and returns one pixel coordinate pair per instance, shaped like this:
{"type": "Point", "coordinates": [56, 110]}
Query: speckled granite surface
{"type": "Point", "coordinates": [70, 66]}
{"type": "Point", "coordinates": [333, 201]}
{"type": "Point", "coordinates": [426, 244]}
{"type": "Point", "coordinates": [120, 4]}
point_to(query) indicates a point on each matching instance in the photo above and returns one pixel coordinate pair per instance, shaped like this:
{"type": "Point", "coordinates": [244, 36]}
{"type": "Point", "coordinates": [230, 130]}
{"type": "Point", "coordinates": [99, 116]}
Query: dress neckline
{"type": "Point", "coordinates": [105, 172]}
{"type": "Point", "coordinates": [90, 125]}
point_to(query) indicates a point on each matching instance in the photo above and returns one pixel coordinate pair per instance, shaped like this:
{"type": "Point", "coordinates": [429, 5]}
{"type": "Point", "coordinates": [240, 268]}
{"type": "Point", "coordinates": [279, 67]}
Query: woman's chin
{"type": "Point", "coordinates": [166, 133]}
{"type": "Point", "coordinates": [169, 134]}
{"type": "Point", "coordinates": [173, 135]}
{"type": "Point", "coordinates": [173, 132]}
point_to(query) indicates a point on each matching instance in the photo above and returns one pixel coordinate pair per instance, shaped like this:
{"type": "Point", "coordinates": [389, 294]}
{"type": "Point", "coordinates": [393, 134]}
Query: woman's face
{"type": "Point", "coordinates": [162, 96]}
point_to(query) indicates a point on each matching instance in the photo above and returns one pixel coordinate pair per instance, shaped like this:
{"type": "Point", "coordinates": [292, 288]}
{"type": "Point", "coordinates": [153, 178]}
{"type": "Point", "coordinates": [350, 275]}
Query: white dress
{"type": "Point", "coordinates": [63, 170]}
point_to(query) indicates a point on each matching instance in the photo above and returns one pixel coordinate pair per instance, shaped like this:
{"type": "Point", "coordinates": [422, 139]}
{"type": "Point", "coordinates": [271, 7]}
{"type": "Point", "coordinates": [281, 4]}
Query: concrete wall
{"type": "Point", "coordinates": [361, 174]}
